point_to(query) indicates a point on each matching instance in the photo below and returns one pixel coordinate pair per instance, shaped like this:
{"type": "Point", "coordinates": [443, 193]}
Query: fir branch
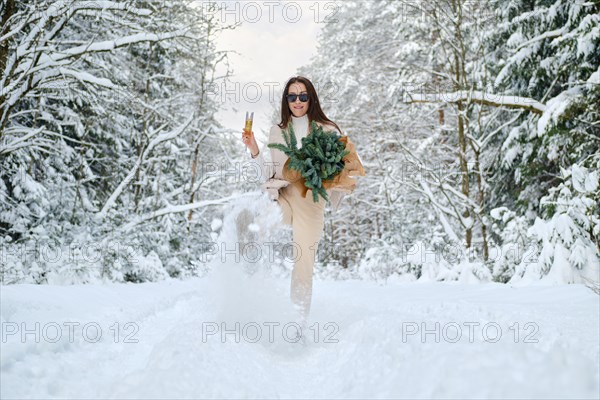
{"type": "Point", "coordinates": [319, 159]}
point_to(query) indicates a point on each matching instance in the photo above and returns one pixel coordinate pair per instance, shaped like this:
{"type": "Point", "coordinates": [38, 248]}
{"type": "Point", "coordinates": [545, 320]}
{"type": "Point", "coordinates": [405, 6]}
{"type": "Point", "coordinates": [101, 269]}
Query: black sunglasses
{"type": "Point", "coordinates": [292, 97]}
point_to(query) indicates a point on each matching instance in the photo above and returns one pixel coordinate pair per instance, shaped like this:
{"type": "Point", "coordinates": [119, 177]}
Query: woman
{"type": "Point", "coordinates": [299, 106]}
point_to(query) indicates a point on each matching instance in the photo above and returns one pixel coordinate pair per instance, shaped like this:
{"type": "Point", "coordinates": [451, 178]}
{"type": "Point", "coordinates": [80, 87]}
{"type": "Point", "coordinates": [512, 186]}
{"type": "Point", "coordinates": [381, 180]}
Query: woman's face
{"type": "Point", "coordinates": [297, 107]}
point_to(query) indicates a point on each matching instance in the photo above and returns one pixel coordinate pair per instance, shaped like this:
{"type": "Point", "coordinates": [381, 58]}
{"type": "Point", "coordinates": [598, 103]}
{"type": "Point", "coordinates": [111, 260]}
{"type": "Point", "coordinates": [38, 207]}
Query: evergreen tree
{"type": "Point", "coordinates": [549, 51]}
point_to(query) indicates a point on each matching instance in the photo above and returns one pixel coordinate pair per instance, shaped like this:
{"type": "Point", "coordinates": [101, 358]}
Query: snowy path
{"type": "Point", "coordinates": [372, 356]}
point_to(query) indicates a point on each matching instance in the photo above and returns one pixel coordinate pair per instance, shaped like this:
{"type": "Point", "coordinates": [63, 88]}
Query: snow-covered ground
{"type": "Point", "coordinates": [168, 340]}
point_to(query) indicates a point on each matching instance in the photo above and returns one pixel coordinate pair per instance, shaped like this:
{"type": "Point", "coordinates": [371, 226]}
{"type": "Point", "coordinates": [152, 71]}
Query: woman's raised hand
{"type": "Point", "coordinates": [250, 141]}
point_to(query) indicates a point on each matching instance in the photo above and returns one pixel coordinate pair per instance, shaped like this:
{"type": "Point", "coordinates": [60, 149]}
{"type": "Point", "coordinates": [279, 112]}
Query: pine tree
{"type": "Point", "coordinates": [549, 51]}
{"type": "Point", "coordinates": [567, 252]}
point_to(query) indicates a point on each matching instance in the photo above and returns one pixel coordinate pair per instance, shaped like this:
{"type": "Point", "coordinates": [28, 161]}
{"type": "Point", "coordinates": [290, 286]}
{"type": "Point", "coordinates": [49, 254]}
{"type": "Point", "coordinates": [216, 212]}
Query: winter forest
{"type": "Point", "coordinates": [477, 122]}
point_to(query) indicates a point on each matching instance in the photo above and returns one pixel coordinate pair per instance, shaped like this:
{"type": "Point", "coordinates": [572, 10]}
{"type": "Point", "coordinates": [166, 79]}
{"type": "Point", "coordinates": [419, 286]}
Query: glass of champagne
{"type": "Point", "coordinates": [248, 127]}
{"type": "Point", "coordinates": [249, 118]}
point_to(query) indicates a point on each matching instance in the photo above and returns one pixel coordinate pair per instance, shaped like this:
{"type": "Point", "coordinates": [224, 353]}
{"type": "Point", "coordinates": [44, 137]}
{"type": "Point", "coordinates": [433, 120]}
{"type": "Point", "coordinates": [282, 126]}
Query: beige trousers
{"type": "Point", "coordinates": [307, 220]}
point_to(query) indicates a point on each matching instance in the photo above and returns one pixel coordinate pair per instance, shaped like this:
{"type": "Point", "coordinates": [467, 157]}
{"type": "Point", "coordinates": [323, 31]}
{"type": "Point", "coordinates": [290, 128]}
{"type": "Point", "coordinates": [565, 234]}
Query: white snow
{"type": "Point", "coordinates": [400, 340]}
{"type": "Point", "coordinates": [584, 181]}
{"type": "Point", "coordinates": [594, 79]}
{"type": "Point", "coordinates": [497, 212]}
{"type": "Point", "coordinates": [556, 107]}
{"type": "Point", "coordinates": [216, 224]}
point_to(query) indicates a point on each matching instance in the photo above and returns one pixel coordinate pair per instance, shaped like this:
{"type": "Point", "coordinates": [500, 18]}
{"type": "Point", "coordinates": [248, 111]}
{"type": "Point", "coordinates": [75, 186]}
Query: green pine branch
{"type": "Point", "coordinates": [319, 159]}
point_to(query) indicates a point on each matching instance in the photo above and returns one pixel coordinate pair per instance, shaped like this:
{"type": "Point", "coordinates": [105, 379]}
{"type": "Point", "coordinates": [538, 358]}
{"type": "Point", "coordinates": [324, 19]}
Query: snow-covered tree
{"type": "Point", "coordinates": [570, 217]}
{"type": "Point", "coordinates": [548, 53]}
{"type": "Point", "coordinates": [101, 104]}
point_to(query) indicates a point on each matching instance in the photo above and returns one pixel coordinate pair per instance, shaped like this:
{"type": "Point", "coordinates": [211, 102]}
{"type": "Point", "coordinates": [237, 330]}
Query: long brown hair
{"type": "Point", "coordinates": [314, 107]}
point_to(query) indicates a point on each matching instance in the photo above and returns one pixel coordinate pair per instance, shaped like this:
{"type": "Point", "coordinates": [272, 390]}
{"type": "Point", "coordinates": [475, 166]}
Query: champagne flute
{"type": "Point", "coordinates": [249, 118]}
{"type": "Point", "coordinates": [247, 134]}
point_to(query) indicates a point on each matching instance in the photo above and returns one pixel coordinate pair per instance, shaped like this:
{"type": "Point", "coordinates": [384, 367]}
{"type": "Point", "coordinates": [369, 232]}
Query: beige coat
{"type": "Point", "coordinates": [272, 171]}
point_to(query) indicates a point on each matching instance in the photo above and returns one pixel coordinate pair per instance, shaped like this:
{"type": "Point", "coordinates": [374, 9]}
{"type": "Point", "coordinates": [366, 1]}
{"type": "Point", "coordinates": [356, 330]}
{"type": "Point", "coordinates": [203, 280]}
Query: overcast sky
{"type": "Point", "coordinates": [269, 54]}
